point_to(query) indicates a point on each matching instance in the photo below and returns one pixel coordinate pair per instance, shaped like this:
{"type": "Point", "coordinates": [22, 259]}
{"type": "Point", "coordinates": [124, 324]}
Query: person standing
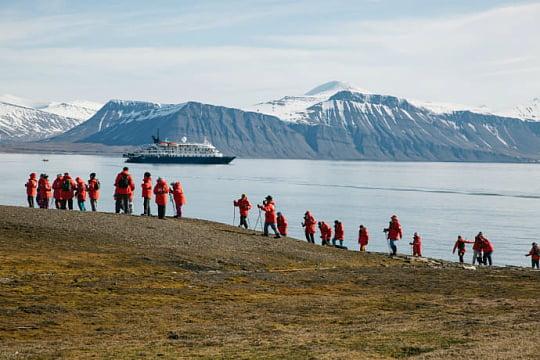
{"type": "Point", "coordinates": [326, 233]}
{"type": "Point", "coordinates": [363, 237]}
{"type": "Point", "coordinates": [81, 193]}
{"type": "Point", "coordinates": [416, 245]}
{"type": "Point", "coordinates": [93, 191]}
{"type": "Point", "coordinates": [124, 187]}
{"type": "Point", "coordinates": [161, 190]}
{"type": "Point", "coordinates": [339, 233]}
{"type": "Point", "coordinates": [146, 188]}
{"type": "Point", "coordinates": [310, 227]}
{"type": "Point", "coordinates": [534, 253]}
{"type": "Point", "coordinates": [44, 191]}
{"type": "Point", "coordinates": [394, 233]}
{"type": "Point", "coordinates": [179, 198]}
{"type": "Point", "coordinates": [487, 249]}
{"type": "Point", "coordinates": [460, 247]}
{"type": "Point", "coordinates": [270, 218]}
{"type": "Point", "coordinates": [68, 191]}
{"type": "Point", "coordinates": [244, 206]}
{"type": "Point", "coordinates": [57, 191]}
{"type": "Point", "coordinates": [31, 189]}
{"type": "Point", "coordinates": [282, 224]}
{"type": "Point", "coordinates": [477, 249]}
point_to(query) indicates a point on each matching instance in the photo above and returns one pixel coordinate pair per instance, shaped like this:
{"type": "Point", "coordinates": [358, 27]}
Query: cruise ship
{"type": "Point", "coordinates": [167, 152]}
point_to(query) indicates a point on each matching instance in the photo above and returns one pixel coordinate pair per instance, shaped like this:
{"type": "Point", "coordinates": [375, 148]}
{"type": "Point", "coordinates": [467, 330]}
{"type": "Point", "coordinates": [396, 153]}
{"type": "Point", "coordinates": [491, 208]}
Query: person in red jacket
{"type": "Point", "coordinates": [44, 191]}
{"type": "Point", "coordinates": [179, 198]}
{"type": "Point", "coordinates": [310, 227]}
{"type": "Point", "coordinates": [81, 193]}
{"type": "Point", "coordinates": [31, 189]}
{"type": "Point", "coordinates": [477, 249]}
{"type": "Point", "coordinates": [244, 206]}
{"type": "Point", "coordinates": [394, 232]}
{"type": "Point", "coordinates": [326, 233]}
{"type": "Point", "coordinates": [57, 190]}
{"type": "Point", "coordinates": [416, 245]}
{"type": "Point", "coordinates": [534, 253]}
{"type": "Point", "coordinates": [363, 237]}
{"type": "Point", "coordinates": [161, 190]}
{"type": "Point", "coordinates": [270, 219]}
{"type": "Point", "coordinates": [93, 191]}
{"type": "Point", "coordinates": [146, 188]}
{"type": "Point", "coordinates": [339, 233]}
{"type": "Point", "coordinates": [124, 187]}
{"type": "Point", "coordinates": [487, 249]}
{"type": "Point", "coordinates": [282, 224]}
{"type": "Point", "coordinates": [68, 191]}
{"type": "Point", "coordinates": [460, 247]}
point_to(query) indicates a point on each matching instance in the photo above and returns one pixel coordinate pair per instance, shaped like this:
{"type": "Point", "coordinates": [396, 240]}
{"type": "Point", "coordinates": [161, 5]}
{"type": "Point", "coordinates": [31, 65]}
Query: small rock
{"type": "Point", "coordinates": [172, 335]}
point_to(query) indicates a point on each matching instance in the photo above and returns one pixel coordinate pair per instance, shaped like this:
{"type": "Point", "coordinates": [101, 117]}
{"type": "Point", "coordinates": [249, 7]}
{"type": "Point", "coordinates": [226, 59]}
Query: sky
{"type": "Point", "coordinates": [240, 52]}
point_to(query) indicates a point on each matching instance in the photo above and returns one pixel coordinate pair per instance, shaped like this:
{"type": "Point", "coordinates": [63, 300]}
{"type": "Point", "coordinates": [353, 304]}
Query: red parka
{"type": "Point", "coordinates": [417, 244]}
{"type": "Point", "coordinates": [69, 194]}
{"type": "Point", "coordinates": [394, 230]}
{"type": "Point", "coordinates": [534, 253]}
{"type": "Point", "coordinates": [31, 185]}
{"type": "Point", "coordinates": [57, 187]}
{"type": "Point", "coordinates": [339, 231]}
{"type": "Point", "coordinates": [363, 236]}
{"type": "Point", "coordinates": [178, 193]}
{"type": "Point", "coordinates": [81, 189]}
{"type": "Point", "coordinates": [460, 245]}
{"type": "Point", "coordinates": [282, 225]}
{"type": "Point", "coordinates": [93, 189]}
{"type": "Point", "coordinates": [243, 205]}
{"type": "Point", "coordinates": [326, 231]}
{"type": "Point", "coordinates": [487, 246]}
{"type": "Point", "coordinates": [130, 184]}
{"type": "Point", "coordinates": [44, 189]}
{"type": "Point", "coordinates": [269, 212]}
{"type": "Point", "coordinates": [310, 223]}
{"type": "Point", "coordinates": [478, 240]}
{"type": "Point", "coordinates": [161, 190]}
{"type": "Point", "coordinates": [146, 188]}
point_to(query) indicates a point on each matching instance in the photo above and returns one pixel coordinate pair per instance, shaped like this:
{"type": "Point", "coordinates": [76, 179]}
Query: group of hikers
{"type": "Point", "coordinates": [64, 189]}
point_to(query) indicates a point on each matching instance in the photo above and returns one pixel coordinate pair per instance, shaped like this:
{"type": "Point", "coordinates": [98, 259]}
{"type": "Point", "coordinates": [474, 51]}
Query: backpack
{"type": "Point", "coordinates": [124, 181]}
{"type": "Point", "coordinates": [66, 185]}
{"type": "Point", "coordinates": [97, 185]}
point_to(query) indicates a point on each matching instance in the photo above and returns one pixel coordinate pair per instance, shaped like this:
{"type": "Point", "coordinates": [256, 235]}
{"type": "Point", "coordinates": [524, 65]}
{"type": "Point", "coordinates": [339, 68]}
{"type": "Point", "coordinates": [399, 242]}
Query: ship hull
{"type": "Point", "coordinates": [180, 160]}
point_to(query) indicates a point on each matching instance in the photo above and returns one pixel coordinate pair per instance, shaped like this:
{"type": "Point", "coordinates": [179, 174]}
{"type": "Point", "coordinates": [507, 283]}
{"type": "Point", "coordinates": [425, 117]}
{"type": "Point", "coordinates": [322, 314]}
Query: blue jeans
{"type": "Point", "coordinates": [82, 206]}
{"type": "Point", "coordinates": [393, 246]}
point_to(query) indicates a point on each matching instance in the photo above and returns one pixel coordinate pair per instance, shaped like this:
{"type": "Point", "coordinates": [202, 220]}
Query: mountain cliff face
{"type": "Point", "coordinates": [347, 125]}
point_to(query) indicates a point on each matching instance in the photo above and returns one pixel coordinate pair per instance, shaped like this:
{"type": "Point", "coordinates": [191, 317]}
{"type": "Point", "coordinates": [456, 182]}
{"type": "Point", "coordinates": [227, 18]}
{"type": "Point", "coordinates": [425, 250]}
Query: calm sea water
{"type": "Point", "coordinates": [438, 200]}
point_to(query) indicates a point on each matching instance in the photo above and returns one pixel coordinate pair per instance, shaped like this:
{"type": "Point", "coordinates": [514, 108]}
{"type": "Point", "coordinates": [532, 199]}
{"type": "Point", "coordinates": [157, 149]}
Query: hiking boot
{"type": "Point", "coordinates": [277, 237]}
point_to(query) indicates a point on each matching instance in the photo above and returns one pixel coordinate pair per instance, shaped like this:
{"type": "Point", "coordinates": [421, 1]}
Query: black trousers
{"type": "Point", "coordinates": [243, 221]}
{"type": "Point", "coordinates": [57, 203]}
{"type": "Point", "coordinates": [487, 258]}
{"type": "Point", "coordinates": [535, 263]}
{"type": "Point", "coordinates": [30, 201]}
{"type": "Point", "coordinates": [460, 254]}
{"type": "Point", "coordinates": [122, 203]}
{"type": "Point", "coordinates": [93, 204]}
{"type": "Point", "coordinates": [272, 226]}
{"type": "Point", "coordinates": [146, 207]}
{"type": "Point", "coordinates": [67, 203]}
{"type": "Point", "coordinates": [161, 209]}
{"type": "Point", "coordinates": [310, 238]}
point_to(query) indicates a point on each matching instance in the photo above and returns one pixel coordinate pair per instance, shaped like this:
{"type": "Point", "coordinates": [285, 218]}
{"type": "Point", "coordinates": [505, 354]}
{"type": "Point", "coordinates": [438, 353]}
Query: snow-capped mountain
{"type": "Point", "coordinates": [28, 103]}
{"type": "Point", "coordinates": [19, 123]}
{"type": "Point", "coordinates": [530, 111]}
{"type": "Point", "coordinates": [78, 109]}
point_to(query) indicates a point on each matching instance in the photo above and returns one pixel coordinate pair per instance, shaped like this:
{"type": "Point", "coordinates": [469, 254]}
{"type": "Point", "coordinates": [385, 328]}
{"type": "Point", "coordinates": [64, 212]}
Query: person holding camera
{"type": "Point", "coordinates": [394, 233]}
{"type": "Point", "coordinates": [310, 225]}
{"type": "Point", "coordinates": [270, 219]}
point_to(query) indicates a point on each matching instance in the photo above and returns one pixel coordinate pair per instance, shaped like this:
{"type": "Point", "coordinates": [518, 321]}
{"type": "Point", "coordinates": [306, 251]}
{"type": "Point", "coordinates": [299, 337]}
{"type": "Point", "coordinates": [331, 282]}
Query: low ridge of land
{"type": "Point", "coordinates": [96, 285]}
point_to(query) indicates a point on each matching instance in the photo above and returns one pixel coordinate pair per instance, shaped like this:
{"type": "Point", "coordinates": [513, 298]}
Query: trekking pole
{"type": "Point", "coordinates": [172, 202]}
{"type": "Point", "coordinates": [234, 215]}
{"type": "Point", "coordinates": [257, 222]}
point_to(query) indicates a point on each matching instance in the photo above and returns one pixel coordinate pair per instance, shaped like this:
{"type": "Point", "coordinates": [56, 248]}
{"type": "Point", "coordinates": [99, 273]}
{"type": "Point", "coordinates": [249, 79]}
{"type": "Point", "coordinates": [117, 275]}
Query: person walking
{"type": "Point", "coordinates": [282, 224]}
{"type": "Point", "coordinates": [244, 206]}
{"type": "Point", "coordinates": [57, 191]}
{"type": "Point", "coordinates": [179, 198]}
{"type": "Point", "coordinates": [460, 247]}
{"type": "Point", "coordinates": [534, 253]}
{"type": "Point", "coordinates": [363, 237]}
{"type": "Point", "coordinates": [93, 191]}
{"type": "Point", "coordinates": [68, 191]}
{"type": "Point", "coordinates": [477, 249]}
{"type": "Point", "coordinates": [124, 187]}
{"type": "Point", "coordinates": [81, 193]}
{"type": "Point", "coordinates": [44, 191]}
{"type": "Point", "coordinates": [487, 249]}
{"type": "Point", "coordinates": [146, 188]}
{"type": "Point", "coordinates": [310, 227]}
{"type": "Point", "coordinates": [326, 233]}
{"type": "Point", "coordinates": [31, 189]}
{"type": "Point", "coordinates": [416, 245]}
{"type": "Point", "coordinates": [394, 233]}
{"type": "Point", "coordinates": [270, 218]}
{"type": "Point", "coordinates": [339, 233]}
{"type": "Point", "coordinates": [161, 190]}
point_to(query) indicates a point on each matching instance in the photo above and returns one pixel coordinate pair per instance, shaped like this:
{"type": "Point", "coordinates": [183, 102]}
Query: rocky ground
{"type": "Point", "coordinates": [95, 285]}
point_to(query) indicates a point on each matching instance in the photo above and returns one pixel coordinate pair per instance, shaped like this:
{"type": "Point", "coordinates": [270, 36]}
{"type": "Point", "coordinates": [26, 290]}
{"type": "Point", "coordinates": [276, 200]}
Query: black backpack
{"type": "Point", "coordinates": [97, 185]}
{"type": "Point", "coordinates": [123, 183]}
{"type": "Point", "coordinates": [66, 186]}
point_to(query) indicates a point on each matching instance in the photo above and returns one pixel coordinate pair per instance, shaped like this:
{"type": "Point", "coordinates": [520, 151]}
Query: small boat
{"type": "Point", "coordinates": [45, 160]}
{"type": "Point", "coordinates": [167, 152]}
